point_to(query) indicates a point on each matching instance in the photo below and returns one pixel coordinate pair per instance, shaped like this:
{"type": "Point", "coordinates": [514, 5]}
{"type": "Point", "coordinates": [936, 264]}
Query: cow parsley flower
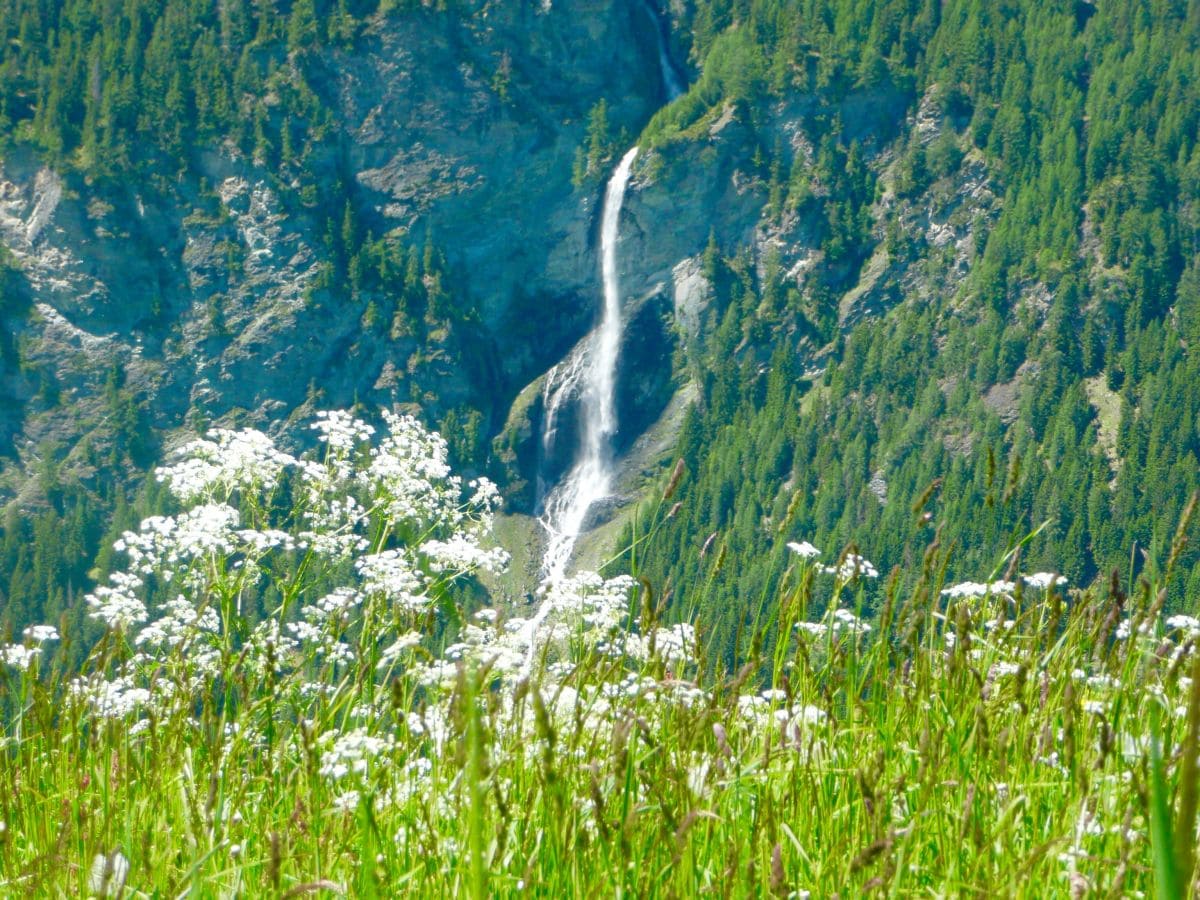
{"type": "Point", "coordinates": [41, 634]}
{"type": "Point", "coordinates": [803, 549]}
{"type": "Point", "coordinates": [340, 430]}
{"type": "Point", "coordinates": [352, 753]}
{"type": "Point", "coordinates": [1043, 580]}
{"type": "Point", "coordinates": [1184, 623]}
{"type": "Point", "coordinates": [973, 589]}
{"type": "Point", "coordinates": [853, 566]}
{"type": "Point", "coordinates": [391, 574]}
{"type": "Point", "coordinates": [225, 462]}
{"type": "Point", "coordinates": [18, 656]}
{"type": "Point", "coordinates": [115, 604]}
{"type": "Point", "coordinates": [462, 554]}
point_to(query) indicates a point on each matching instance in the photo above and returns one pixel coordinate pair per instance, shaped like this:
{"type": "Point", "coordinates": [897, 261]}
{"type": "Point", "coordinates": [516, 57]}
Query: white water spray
{"type": "Point", "coordinates": [590, 480]}
{"type": "Point", "coordinates": [591, 373]}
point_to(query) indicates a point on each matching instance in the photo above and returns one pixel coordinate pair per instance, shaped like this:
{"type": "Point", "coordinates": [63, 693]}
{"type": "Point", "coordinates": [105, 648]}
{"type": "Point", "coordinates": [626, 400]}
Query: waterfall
{"type": "Point", "coordinates": [673, 82]}
{"type": "Point", "coordinates": [590, 480]}
{"type": "Point", "coordinates": [589, 375]}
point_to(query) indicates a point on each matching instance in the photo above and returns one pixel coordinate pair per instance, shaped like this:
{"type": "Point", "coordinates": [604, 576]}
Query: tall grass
{"type": "Point", "coordinates": [1016, 738]}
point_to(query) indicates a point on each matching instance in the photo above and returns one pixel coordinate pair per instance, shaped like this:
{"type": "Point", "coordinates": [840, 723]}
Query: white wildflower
{"type": "Point", "coordinates": [803, 549]}
{"type": "Point", "coordinates": [41, 634]}
{"type": "Point", "coordinates": [19, 656]}
{"type": "Point", "coordinates": [973, 589]}
{"type": "Point", "coordinates": [115, 605]}
{"type": "Point", "coordinates": [1184, 623]}
{"type": "Point", "coordinates": [853, 566]}
{"type": "Point", "coordinates": [391, 574]}
{"type": "Point", "coordinates": [226, 461]}
{"type": "Point", "coordinates": [1043, 580]}
{"type": "Point", "coordinates": [462, 554]}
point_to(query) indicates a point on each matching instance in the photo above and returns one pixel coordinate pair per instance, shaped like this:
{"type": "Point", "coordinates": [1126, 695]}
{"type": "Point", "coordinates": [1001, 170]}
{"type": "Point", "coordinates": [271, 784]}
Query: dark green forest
{"type": "Point", "coordinates": [1088, 115]}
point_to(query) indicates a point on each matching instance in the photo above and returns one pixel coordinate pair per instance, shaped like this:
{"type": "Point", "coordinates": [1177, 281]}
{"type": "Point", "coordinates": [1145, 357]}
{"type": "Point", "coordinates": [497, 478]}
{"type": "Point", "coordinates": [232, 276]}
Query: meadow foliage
{"type": "Point", "coordinates": [299, 692]}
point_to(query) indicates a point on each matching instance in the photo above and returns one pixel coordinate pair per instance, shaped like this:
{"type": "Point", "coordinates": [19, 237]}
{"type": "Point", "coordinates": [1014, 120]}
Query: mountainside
{"type": "Point", "coordinates": [873, 250]}
{"type": "Point", "coordinates": [382, 212]}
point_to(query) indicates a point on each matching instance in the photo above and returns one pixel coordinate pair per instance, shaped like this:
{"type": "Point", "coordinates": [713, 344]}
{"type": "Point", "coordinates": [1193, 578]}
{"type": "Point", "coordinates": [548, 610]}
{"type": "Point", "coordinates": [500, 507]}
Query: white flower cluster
{"type": "Point", "coordinates": [163, 543]}
{"type": "Point", "coordinates": [803, 549]}
{"type": "Point", "coordinates": [392, 575]}
{"type": "Point", "coordinates": [384, 531]}
{"type": "Point", "coordinates": [837, 622]}
{"type": "Point", "coordinates": [22, 656]}
{"type": "Point", "coordinates": [116, 605]}
{"type": "Point", "coordinates": [409, 473]}
{"type": "Point", "coordinates": [1190, 624]}
{"type": "Point", "coordinates": [41, 634]}
{"type": "Point", "coordinates": [853, 566]}
{"type": "Point", "coordinates": [1044, 580]}
{"type": "Point", "coordinates": [462, 553]}
{"type": "Point", "coordinates": [18, 656]}
{"type": "Point", "coordinates": [111, 699]}
{"type": "Point", "coordinates": [352, 753]}
{"type": "Point", "coordinates": [341, 431]}
{"type": "Point", "coordinates": [226, 462]}
{"type": "Point", "coordinates": [975, 589]}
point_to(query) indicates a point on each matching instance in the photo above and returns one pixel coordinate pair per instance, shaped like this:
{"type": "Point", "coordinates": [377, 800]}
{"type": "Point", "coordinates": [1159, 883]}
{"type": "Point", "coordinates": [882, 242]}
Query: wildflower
{"type": "Point", "coordinates": [853, 566]}
{"type": "Point", "coordinates": [352, 753]}
{"type": "Point", "coordinates": [41, 634]}
{"type": "Point", "coordinates": [114, 699]}
{"type": "Point", "coordinates": [462, 553]}
{"type": "Point", "coordinates": [1184, 623]}
{"type": "Point", "coordinates": [676, 644]}
{"type": "Point", "coordinates": [1043, 580]}
{"type": "Point", "coordinates": [19, 656]}
{"type": "Point", "coordinates": [226, 461]}
{"type": "Point", "coordinates": [1004, 670]}
{"type": "Point", "coordinates": [803, 549]}
{"type": "Point", "coordinates": [972, 589]}
{"type": "Point", "coordinates": [1125, 629]}
{"type": "Point", "coordinates": [115, 605]}
{"type": "Point", "coordinates": [340, 430]}
{"type": "Point", "coordinates": [391, 574]}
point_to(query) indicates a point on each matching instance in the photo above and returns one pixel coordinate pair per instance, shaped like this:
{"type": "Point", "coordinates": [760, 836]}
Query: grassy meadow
{"type": "Point", "coordinates": [296, 699]}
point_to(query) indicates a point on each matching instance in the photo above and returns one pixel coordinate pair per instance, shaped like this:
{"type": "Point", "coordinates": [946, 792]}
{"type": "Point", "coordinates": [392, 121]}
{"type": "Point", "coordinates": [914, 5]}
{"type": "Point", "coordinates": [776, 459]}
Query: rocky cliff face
{"type": "Point", "coordinates": [923, 239]}
{"type": "Point", "coordinates": [202, 290]}
{"type": "Point", "coordinates": [199, 286]}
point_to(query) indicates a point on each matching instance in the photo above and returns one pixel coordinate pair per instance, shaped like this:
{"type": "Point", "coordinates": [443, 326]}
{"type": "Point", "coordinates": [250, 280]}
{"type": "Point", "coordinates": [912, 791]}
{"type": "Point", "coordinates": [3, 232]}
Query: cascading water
{"type": "Point", "coordinates": [590, 373]}
{"type": "Point", "coordinates": [590, 480]}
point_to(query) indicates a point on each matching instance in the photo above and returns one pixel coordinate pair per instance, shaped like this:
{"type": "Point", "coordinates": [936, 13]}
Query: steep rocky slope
{"type": "Point", "coordinates": [202, 289]}
{"type": "Point", "coordinates": [200, 299]}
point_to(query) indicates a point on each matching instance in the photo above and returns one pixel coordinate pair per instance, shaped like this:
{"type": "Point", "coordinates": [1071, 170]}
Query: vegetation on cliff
{"type": "Point", "coordinates": [1036, 366]}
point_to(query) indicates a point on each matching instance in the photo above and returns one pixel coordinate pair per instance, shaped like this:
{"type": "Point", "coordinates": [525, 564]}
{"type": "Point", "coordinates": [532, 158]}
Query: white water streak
{"type": "Point", "coordinates": [591, 478]}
